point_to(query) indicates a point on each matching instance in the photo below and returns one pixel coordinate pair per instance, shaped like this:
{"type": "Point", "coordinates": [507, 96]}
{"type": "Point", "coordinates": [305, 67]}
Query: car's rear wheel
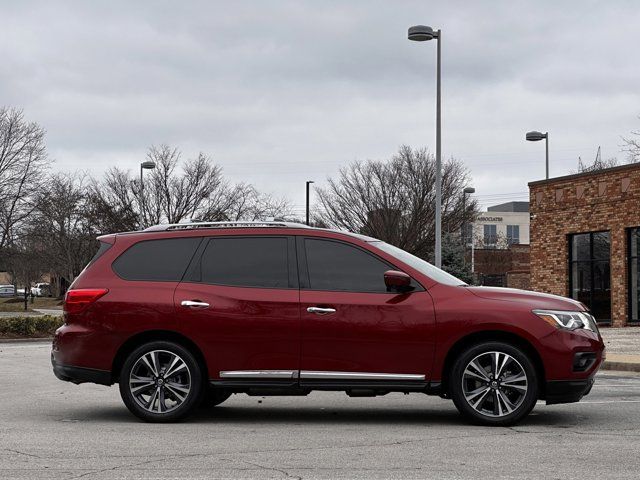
{"type": "Point", "coordinates": [161, 382]}
{"type": "Point", "coordinates": [494, 383]}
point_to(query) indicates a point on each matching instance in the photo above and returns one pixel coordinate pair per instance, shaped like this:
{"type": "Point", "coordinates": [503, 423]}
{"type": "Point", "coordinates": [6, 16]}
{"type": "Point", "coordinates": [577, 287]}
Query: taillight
{"type": "Point", "coordinates": [77, 300]}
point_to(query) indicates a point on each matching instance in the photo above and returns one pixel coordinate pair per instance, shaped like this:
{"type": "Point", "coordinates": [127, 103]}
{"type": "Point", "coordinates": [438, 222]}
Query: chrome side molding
{"type": "Point", "coordinates": [259, 374]}
{"type": "Point", "coordinates": [317, 375]}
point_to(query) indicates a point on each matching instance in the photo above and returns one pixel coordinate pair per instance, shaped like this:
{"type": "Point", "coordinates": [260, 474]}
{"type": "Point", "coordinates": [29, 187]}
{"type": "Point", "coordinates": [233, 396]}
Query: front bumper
{"type": "Point", "coordinates": [567, 391]}
{"type": "Point", "coordinates": [78, 375]}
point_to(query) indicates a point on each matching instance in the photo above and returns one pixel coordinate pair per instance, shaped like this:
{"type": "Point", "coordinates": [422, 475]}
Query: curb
{"type": "Point", "coordinates": [621, 366]}
{"type": "Point", "coordinates": [26, 340]}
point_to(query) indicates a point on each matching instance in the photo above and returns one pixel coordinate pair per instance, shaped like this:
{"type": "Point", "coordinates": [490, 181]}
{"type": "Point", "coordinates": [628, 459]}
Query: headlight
{"type": "Point", "coordinates": [568, 320]}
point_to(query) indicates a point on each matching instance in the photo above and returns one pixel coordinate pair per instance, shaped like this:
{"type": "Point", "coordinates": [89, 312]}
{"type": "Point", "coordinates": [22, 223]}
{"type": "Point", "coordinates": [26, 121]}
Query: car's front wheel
{"type": "Point", "coordinates": [161, 382]}
{"type": "Point", "coordinates": [494, 383]}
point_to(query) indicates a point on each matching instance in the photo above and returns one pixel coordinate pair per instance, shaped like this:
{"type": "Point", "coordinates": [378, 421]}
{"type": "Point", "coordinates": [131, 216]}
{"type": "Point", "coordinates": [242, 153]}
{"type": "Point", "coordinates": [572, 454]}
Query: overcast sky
{"type": "Point", "coordinates": [279, 92]}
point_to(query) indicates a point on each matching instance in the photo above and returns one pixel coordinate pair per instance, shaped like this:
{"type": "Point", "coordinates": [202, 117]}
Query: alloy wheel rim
{"type": "Point", "coordinates": [494, 384]}
{"type": "Point", "coordinates": [160, 381]}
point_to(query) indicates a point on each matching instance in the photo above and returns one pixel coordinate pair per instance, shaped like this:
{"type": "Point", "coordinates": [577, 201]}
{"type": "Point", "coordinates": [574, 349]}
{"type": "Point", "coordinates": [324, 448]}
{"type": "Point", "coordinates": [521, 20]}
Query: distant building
{"type": "Point", "coordinates": [585, 241]}
{"type": "Point", "coordinates": [502, 225]}
{"type": "Point", "coordinates": [500, 253]}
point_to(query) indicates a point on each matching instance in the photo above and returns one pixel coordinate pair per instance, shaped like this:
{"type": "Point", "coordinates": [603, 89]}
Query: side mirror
{"type": "Point", "coordinates": [397, 281]}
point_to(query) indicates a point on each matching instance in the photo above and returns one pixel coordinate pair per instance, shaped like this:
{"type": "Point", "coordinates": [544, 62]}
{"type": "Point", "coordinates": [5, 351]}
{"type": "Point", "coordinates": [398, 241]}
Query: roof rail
{"type": "Point", "coordinates": [196, 225]}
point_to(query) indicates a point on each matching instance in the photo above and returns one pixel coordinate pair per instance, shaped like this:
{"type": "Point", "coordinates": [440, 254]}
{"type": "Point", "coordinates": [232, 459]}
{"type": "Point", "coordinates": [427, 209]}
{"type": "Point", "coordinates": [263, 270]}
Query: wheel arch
{"type": "Point", "coordinates": [488, 336]}
{"type": "Point", "coordinates": [155, 335]}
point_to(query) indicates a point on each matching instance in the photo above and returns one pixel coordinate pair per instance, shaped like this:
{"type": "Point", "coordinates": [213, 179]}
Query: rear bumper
{"type": "Point", "coordinates": [567, 391]}
{"type": "Point", "coordinates": [78, 375]}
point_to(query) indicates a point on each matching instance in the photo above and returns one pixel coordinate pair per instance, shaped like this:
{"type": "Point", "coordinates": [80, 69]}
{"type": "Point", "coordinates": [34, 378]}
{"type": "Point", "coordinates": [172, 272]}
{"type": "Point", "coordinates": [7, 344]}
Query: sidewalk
{"type": "Point", "coordinates": [623, 348]}
{"type": "Point", "coordinates": [36, 312]}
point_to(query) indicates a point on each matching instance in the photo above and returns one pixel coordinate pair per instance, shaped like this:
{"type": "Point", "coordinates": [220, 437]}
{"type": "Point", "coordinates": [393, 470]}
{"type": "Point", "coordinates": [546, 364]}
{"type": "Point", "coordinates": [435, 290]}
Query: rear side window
{"type": "Point", "coordinates": [104, 246]}
{"type": "Point", "coordinates": [246, 262]}
{"type": "Point", "coordinates": [156, 260]}
{"type": "Point", "coordinates": [341, 267]}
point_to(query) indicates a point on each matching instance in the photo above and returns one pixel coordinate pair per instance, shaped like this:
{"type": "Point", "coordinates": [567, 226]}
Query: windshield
{"type": "Point", "coordinates": [419, 264]}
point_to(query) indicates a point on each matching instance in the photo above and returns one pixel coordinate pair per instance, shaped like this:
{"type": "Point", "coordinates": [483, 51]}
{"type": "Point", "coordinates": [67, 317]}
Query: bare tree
{"type": "Point", "coordinates": [245, 202]}
{"type": "Point", "coordinates": [25, 266]}
{"type": "Point", "coordinates": [177, 191]}
{"type": "Point", "coordinates": [23, 165]}
{"type": "Point", "coordinates": [598, 164]}
{"type": "Point", "coordinates": [111, 203]}
{"type": "Point", "coordinates": [632, 146]}
{"type": "Point", "coordinates": [172, 196]}
{"type": "Point", "coordinates": [395, 200]}
{"type": "Point", "coordinates": [61, 229]}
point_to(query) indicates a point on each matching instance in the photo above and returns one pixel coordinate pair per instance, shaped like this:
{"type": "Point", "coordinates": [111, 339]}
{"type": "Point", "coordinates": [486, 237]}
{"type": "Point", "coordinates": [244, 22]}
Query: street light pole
{"type": "Point", "coordinates": [421, 33]}
{"type": "Point", "coordinates": [438, 161]}
{"type": "Point", "coordinates": [309, 182]}
{"type": "Point", "coordinates": [465, 192]}
{"type": "Point", "coordinates": [546, 141]}
{"type": "Point", "coordinates": [148, 165]}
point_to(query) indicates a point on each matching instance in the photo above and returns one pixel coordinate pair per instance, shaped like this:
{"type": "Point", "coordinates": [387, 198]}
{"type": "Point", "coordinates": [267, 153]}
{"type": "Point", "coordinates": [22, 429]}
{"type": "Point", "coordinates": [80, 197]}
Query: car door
{"type": "Point", "coordinates": [240, 302]}
{"type": "Point", "coordinates": [352, 327]}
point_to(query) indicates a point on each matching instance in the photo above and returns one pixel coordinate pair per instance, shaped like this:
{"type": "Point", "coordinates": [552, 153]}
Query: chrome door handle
{"type": "Point", "coordinates": [321, 311]}
{"type": "Point", "coordinates": [194, 304]}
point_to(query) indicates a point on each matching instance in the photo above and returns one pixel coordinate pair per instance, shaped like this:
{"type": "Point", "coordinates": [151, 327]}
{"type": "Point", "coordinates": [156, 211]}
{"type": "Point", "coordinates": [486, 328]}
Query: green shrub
{"type": "Point", "coordinates": [34, 326]}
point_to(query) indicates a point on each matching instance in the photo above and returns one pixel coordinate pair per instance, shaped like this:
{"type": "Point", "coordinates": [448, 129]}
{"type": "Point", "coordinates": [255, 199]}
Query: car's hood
{"type": "Point", "coordinates": [528, 298]}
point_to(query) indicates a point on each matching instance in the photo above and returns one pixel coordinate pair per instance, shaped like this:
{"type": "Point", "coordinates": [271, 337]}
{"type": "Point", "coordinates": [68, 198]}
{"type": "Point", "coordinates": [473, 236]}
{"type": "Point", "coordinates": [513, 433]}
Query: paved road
{"type": "Point", "coordinates": [51, 429]}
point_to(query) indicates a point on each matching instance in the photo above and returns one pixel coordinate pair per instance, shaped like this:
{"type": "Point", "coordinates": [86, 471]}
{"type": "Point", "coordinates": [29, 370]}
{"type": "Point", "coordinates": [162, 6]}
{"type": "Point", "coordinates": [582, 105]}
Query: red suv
{"type": "Point", "coordinates": [178, 314]}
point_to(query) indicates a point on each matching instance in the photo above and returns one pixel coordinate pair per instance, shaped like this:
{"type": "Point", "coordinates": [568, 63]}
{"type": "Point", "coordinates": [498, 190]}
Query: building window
{"type": "Point", "coordinates": [490, 235]}
{"type": "Point", "coordinates": [590, 272]}
{"type": "Point", "coordinates": [513, 234]}
{"type": "Point", "coordinates": [634, 278]}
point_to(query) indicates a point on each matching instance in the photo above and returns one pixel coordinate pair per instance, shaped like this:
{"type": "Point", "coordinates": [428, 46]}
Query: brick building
{"type": "Point", "coordinates": [585, 238]}
{"type": "Point", "coordinates": [502, 267]}
{"type": "Point", "coordinates": [500, 253]}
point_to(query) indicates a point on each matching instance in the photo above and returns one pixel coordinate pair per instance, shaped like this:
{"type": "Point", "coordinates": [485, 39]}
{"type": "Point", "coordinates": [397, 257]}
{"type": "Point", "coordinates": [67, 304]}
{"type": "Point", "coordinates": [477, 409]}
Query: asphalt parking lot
{"type": "Point", "coordinates": [52, 429]}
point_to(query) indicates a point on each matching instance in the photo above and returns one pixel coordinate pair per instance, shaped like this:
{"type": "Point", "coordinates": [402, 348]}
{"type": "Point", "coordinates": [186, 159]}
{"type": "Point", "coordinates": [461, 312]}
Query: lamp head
{"type": "Point", "coordinates": [148, 165]}
{"type": "Point", "coordinates": [421, 33]}
{"type": "Point", "coordinates": [535, 136]}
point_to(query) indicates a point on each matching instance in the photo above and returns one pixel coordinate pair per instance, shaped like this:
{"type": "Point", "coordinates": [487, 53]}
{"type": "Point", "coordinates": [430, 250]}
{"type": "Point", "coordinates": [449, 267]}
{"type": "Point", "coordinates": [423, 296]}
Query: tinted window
{"type": "Point", "coordinates": [338, 266]}
{"type": "Point", "coordinates": [246, 262]}
{"type": "Point", "coordinates": [156, 260]}
{"type": "Point", "coordinates": [590, 268]}
{"type": "Point", "coordinates": [634, 274]}
{"type": "Point", "coordinates": [419, 264]}
{"type": "Point", "coordinates": [104, 246]}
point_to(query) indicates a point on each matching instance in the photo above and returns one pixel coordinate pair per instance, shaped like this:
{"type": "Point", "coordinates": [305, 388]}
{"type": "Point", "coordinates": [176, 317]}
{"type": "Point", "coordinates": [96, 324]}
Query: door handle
{"type": "Point", "coordinates": [194, 304]}
{"type": "Point", "coordinates": [321, 311]}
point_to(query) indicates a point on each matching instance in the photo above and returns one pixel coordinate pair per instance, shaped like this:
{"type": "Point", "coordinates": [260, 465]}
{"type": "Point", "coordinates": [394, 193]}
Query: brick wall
{"type": "Point", "coordinates": [519, 279]}
{"type": "Point", "coordinates": [512, 263]}
{"type": "Point", "coordinates": [605, 200]}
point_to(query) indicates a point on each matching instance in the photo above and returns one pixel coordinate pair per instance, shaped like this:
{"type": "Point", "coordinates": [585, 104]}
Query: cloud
{"type": "Point", "coordinates": [279, 92]}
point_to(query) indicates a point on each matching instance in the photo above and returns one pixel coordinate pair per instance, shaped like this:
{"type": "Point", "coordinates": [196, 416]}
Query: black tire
{"type": "Point", "coordinates": [491, 402]}
{"type": "Point", "coordinates": [215, 396]}
{"type": "Point", "coordinates": [177, 403]}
